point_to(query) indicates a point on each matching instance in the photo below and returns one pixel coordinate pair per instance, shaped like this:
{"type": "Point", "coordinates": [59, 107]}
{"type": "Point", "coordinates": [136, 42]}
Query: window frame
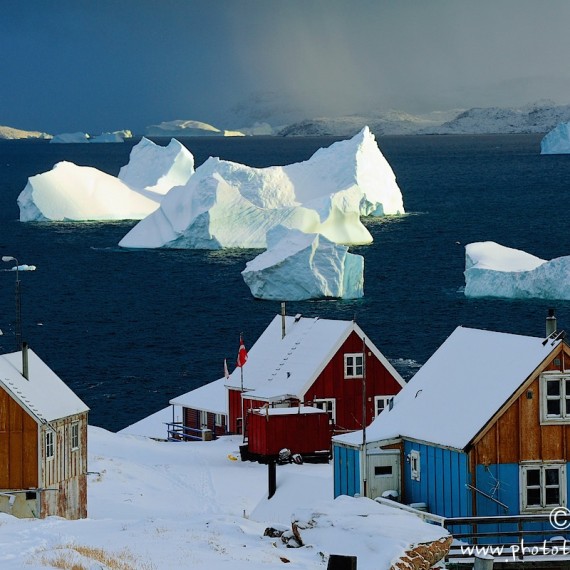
{"type": "Point", "coordinates": [354, 365]}
{"type": "Point", "coordinates": [563, 397]}
{"type": "Point", "coordinates": [49, 441]}
{"type": "Point", "coordinates": [331, 412]}
{"type": "Point", "coordinates": [74, 436]}
{"type": "Point", "coordinates": [386, 400]}
{"type": "Point", "coordinates": [203, 414]}
{"type": "Point", "coordinates": [219, 420]}
{"type": "Point", "coordinates": [415, 465]}
{"type": "Point", "coordinates": [524, 468]}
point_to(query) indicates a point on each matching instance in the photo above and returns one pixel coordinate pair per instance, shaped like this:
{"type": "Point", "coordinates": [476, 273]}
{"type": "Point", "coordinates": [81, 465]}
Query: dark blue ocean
{"type": "Point", "coordinates": [128, 330]}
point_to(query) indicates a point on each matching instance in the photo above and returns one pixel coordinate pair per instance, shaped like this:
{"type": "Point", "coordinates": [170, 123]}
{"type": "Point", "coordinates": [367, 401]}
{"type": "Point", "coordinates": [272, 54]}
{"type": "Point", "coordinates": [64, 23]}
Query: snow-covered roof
{"type": "Point", "coordinates": [459, 389]}
{"type": "Point", "coordinates": [45, 395]}
{"type": "Point", "coordinates": [211, 397]}
{"type": "Point", "coordinates": [287, 367]}
{"type": "Point", "coordinates": [289, 411]}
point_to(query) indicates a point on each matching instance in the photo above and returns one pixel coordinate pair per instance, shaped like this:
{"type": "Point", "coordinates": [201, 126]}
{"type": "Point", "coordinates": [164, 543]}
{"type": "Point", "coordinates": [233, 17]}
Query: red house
{"type": "Point", "coordinates": [323, 363]}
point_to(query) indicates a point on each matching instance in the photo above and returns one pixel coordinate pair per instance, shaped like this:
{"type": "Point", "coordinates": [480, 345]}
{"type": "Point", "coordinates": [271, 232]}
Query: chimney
{"type": "Point", "coordinates": [25, 372]}
{"type": "Point", "coordinates": [282, 320]}
{"type": "Point", "coordinates": [551, 325]}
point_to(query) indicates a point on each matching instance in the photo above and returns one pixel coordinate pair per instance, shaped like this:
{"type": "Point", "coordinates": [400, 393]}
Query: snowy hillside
{"type": "Point", "coordinates": [162, 506]}
{"type": "Point", "coordinates": [389, 123]}
{"type": "Point", "coordinates": [538, 117]}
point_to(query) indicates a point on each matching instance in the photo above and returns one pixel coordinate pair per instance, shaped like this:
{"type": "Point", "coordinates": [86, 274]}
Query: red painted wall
{"type": "Point", "coordinates": [301, 433]}
{"type": "Point", "coordinates": [348, 392]}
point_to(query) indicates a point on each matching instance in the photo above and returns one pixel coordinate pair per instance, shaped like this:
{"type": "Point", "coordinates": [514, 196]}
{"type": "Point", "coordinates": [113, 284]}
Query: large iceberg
{"type": "Point", "coordinates": [226, 204]}
{"type": "Point", "coordinates": [78, 193]}
{"type": "Point", "coordinates": [157, 168]}
{"type": "Point", "coordinates": [299, 266]}
{"type": "Point", "coordinates": [557, 141]}
{"type": "Point", "coordinates": [493, 270]}
{"type": "Point", "coordinates": [181, 128]}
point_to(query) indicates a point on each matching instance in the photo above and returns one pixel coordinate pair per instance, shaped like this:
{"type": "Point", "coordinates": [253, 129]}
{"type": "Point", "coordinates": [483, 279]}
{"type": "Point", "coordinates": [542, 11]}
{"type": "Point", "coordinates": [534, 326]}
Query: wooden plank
{"type": "Point", "coordinates": [508, 445]}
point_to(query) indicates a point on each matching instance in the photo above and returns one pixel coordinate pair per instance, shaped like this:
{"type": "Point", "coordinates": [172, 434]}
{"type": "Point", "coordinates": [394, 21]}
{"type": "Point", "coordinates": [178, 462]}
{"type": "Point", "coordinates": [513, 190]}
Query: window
{"type": "Point", "coordinates": [329, 406]}
{"type": "Point", "coordinates": [555, 392]}
{"type": "Point", "coordinates": [381, 403]}
{"type": "Point", "coordinates": [415, 464]}
{"type": "Point", "coordinates": [542, 486]}
{"type": "Point", "coordinates": [74, 436]}
{"type": "Point", "coordinates": [354, 365]}
{"type": "Point", "coordinates": [203, 419]}
{"type": "Point", "coordinates": [383, 470]}
{"type": "Point", "coordinates": [219, 420]}
{"type": "Point", "coordinates": [50, 444]}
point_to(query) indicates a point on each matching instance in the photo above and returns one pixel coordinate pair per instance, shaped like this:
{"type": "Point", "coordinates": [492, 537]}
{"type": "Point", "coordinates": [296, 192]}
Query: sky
{"type": "Point", "coordinates": [79, 65]}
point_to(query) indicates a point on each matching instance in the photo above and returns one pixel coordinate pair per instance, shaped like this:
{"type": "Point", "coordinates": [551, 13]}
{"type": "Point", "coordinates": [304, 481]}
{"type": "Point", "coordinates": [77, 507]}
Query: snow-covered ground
{"type": "Point", "coordinates": [163, 506]}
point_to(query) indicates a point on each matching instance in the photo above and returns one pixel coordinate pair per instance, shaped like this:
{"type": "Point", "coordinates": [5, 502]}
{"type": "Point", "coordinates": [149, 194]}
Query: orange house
{"type": "Point", "coordinates": [43, 441]}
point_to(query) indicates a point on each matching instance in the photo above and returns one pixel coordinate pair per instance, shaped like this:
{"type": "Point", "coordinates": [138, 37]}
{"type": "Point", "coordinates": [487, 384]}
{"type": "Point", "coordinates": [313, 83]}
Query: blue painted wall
{"type": "Point", "coordinates": [443, 476]}
{"type": "Point", "coordinates": [346, 471]}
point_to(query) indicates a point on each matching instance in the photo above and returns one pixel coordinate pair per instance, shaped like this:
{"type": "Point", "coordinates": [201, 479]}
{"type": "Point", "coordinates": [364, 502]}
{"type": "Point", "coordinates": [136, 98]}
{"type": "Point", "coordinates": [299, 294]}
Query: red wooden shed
{"type": "Point", "coordinates": [303, 429]}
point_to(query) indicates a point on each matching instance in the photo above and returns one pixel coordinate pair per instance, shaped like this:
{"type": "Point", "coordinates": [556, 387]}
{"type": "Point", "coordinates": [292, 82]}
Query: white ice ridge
{"type": "Point", "coordinates": [157, 168]}
{"type": "Point", "coordinates": [557, 141]}
{"type": "Point", "coordinates": [299, 266]}
{"type": "Point", "coordinates": [493, 270]}
{"type": "Point", "coordinates": [226, 204]}
{"type": "Point", "coordinates": [78, 137]}
{"type": "Point", "coordinates": [78, 193]}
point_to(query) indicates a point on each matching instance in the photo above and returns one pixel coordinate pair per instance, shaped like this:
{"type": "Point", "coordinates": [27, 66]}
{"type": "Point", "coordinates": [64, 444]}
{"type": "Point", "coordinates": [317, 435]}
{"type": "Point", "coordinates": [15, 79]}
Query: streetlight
{"type": "Point", "coordinates": [7, 258]}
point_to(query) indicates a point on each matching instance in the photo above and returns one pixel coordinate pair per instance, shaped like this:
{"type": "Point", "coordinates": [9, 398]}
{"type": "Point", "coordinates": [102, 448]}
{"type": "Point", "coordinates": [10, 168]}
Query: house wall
{"type": "Point", "coordinates": [346, 462]}
{"type": "Point", "coordinates": [348, 393]}
{"type": "Point", "coordinates": [63, 478]}
{"type": "Point", "coordinates": [192, 420]}
{"type": "Point", "coordinates": [18, 446]}
{"type": "Point", "coordinates": [517, 434]}
{"type": "Point", "coordinates": [444, 474]}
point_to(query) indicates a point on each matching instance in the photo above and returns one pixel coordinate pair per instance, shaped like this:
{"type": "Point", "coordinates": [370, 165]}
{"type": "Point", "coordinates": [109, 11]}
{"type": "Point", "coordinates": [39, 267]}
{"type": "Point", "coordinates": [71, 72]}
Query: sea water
{"type": "Point", "coordinates": [128, 330]}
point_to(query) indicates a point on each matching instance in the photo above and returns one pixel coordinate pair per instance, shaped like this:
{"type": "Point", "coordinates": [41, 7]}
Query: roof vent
{"type": "Point", "coordinates": [298, 317]}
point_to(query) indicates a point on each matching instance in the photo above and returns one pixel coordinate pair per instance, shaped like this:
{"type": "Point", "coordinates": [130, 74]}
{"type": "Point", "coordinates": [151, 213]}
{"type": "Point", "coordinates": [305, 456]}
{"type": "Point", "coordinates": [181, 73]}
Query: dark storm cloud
{"type": "Point", "coordinates": [105, 65]}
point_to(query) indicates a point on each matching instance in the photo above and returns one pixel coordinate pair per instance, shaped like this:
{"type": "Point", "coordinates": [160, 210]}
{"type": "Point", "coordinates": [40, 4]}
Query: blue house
{"type": "Point", "coordinates": [482, 429]}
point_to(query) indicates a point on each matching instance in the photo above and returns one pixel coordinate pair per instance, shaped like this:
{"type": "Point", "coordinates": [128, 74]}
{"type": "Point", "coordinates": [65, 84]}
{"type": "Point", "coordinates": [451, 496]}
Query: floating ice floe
{"type": "Point", "coordinates": [299, 266]}
{"type": "Point", "coordinates": [493, 270]}
{"type": "Point", "coordinates": [557, 141]}
{"type": "Point", "coordinates": [78, 193]}
{"type": "Point", "coordinates": [78, 137]}
{"type": "Point", "coordinates": [226, 204]}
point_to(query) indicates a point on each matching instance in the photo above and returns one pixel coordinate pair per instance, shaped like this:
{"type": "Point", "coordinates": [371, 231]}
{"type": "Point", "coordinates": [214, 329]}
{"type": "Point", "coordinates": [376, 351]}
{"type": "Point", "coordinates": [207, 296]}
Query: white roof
{"type": "Point", "coordinates": [459, 389]}
{"type": "Point", "coordinates": [289, 411]}
{"type": "Point", "coordinates": [211, 398]}
{"type": "Point", "coordinates": [45, 395]}
{"type": "Point", "coordinates": [288, 366]}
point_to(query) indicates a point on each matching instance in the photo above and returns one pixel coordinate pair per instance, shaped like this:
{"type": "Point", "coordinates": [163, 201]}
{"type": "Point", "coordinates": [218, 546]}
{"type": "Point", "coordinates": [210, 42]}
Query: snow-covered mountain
{"type": "Point", "coordinates": [539, 117]}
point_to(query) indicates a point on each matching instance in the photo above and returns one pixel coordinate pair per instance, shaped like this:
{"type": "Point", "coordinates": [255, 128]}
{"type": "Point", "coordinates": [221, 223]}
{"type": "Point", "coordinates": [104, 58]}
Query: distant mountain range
{"type": "Point", "coordinates": [539, 117]}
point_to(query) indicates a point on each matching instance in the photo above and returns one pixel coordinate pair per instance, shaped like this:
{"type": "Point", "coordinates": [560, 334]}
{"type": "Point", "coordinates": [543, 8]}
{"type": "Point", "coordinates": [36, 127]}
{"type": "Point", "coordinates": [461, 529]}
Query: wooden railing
{"type": "Point", "coordinates": [177, 431]}
{"type": "Point", "coordinates": [516, 538]}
